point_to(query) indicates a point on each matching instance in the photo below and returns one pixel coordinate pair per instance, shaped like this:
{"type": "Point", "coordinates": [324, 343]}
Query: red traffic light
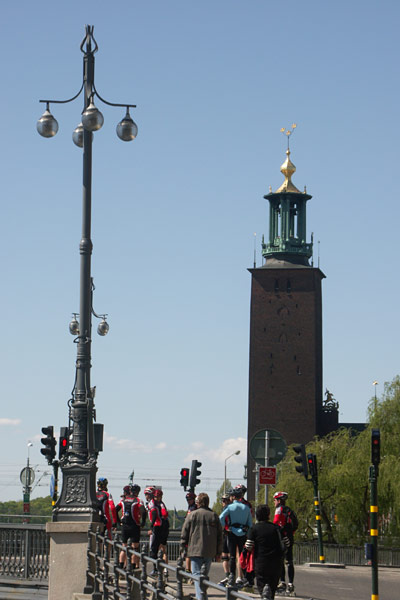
{"type": "Point", "coordinates": [184, 472]}
{"type": "Point", "coordinates": [64, 443]}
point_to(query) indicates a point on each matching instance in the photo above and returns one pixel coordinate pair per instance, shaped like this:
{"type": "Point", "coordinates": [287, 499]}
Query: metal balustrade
{"type": "Point", "coordinates": [106, 580]}
{"type": "Point", "coordinates": [24, 552]}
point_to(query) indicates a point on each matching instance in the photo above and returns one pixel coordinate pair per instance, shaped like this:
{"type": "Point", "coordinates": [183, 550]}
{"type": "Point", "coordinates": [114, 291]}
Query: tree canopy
{"type": "Point", "coordinates": [344, 457]}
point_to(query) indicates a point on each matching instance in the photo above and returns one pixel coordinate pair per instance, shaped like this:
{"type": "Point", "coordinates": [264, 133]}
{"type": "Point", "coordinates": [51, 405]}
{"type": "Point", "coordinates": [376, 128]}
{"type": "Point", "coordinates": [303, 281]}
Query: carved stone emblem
{"type": "Point", "coordinates": [75, 490]}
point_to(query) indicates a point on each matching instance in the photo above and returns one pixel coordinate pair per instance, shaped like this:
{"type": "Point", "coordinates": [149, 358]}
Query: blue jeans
{"type": "Point", "coordinates": [200, 566]}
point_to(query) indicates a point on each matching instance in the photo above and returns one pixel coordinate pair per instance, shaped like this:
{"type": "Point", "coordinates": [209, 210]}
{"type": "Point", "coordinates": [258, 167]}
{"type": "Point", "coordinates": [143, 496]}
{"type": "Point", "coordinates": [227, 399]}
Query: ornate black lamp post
{"type": "Point", "coordinates": [77, 500]}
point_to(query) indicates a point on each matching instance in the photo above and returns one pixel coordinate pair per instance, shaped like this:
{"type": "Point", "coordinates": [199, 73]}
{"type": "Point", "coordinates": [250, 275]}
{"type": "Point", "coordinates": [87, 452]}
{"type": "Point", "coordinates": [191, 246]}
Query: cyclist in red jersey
{"type": "Point", "coordinates": [154, 514]}
{"type": "Point", "coordinates": [158, 494]}
{"type": "Point", "coordinates": [130, 508]}
{"type": "Point", "coordinates": [281, 519]}
{"type": "Point", "coordinates": [105, 505]}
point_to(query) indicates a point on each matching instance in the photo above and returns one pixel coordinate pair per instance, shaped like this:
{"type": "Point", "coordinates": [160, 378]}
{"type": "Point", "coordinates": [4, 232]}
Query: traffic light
{"type": "Point", "coordinates": [303, 467]}
{"type": "Point", "coordinates": [63, 441]}
{"type": "Point", "coordinates": [375, 447]}
{"type": "Point", "coordinates": [184, 477]}
{"type": "Point", "coordinates": [194, 474]}
{"type": "Point", "coordinates": [49, 443]}
{"type": "Point", "coordinates": [312, 466]}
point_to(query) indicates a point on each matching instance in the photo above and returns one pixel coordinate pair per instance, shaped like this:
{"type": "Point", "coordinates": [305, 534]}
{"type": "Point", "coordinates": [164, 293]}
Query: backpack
{"type": "Point", "coordinates": [291, 519]}
{"type": "Point", "coordinates": [129, 506]}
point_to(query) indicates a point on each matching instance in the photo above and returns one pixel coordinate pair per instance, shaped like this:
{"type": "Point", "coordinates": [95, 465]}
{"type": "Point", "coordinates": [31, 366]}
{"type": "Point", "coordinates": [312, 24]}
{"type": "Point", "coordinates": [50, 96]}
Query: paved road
{"type": "Point", "coordinates": [351, 583]}
{"type": "Point", "coordinates": [318, 583]}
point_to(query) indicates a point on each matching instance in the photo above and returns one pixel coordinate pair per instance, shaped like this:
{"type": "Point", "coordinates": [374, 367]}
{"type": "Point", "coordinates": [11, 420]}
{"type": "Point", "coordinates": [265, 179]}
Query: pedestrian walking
{"type": "Point", "coordinates": [106, 506]}
{"type": "Point", "coordinates": [131, 509]}
{"type": "Point", "coordinates": [202, 536]}
{"type": "Point", "coordinates": [158, 494]}
{"type": "Point", "coordinates": [154, 514]}
{"type": "Point", "coordinates": [239, 522]}
{"type": "Point", "coordinates": [287, 520]}
{"type": "Point", "coordinates": [264, 538]}
{"type": "Point", "coordinates": [225, 500]}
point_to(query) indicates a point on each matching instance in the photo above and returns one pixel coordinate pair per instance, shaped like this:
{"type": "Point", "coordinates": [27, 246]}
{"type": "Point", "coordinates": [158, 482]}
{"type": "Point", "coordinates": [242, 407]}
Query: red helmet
{"type": "Point", "coordinates": [126, 490]}
{"type": "Point", "coordinates": [158, 493]}
{"type": "Point", "coordinates": [190, 496]}
{"type": "Point", "coordinates": [149, 490]}
{"type": "Point", "coordinates": [281, 496]}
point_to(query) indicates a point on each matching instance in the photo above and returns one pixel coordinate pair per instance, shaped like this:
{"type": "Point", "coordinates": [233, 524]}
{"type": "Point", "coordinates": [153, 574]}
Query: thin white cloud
{"type": "Point", "coordinates": [8, 422]}
{"type": "Point", "coordinates": [219, 454]}
{"type": "Point", "coordinates": [127, 444]}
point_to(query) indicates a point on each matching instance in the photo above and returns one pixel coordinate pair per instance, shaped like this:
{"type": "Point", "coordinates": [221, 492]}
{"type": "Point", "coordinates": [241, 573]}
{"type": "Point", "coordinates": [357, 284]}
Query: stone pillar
{"type": "Point", "coordinates": [68, 557]}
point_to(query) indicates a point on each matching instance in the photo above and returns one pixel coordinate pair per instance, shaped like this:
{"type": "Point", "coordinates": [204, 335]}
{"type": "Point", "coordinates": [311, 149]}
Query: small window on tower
{"type": "Point", "coordinates": [288, 287]}
{"type": "Point", "coordinates": [276, 286]}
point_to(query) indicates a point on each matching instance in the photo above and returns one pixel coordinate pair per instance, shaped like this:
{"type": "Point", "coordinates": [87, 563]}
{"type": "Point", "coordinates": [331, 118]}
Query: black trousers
{"type": "Point", "coordinates": [290, 566]}
{"type": "Point", "coordinates": [268, 572]}
{"type": "Point", "coordinates": [234, 542]}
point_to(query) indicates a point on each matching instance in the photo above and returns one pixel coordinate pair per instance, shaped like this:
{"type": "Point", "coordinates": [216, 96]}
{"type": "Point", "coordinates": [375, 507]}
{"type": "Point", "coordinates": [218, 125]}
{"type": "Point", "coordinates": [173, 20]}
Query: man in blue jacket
{"type": "Point", "coordinates": [239, 521]}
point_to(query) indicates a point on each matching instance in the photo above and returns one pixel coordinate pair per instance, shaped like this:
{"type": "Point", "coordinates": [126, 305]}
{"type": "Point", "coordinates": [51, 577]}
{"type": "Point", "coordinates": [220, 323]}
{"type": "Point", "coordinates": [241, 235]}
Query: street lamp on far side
{"type": "Point", "coordinates": [227, 458]}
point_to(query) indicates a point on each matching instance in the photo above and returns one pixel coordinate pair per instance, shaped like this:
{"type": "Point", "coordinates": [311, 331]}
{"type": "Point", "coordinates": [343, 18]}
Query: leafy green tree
{"type": "Point", "coordinates": [344, 457]}
{"type": "Point", "coordinates": [217, 506]}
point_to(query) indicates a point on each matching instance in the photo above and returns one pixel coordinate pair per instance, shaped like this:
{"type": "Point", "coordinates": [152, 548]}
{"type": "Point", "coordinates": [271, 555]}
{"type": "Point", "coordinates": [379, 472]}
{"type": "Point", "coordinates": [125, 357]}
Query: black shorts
{"type": "Point", "coordinates": [164, 532]}
{"type": "Point", "coordinates": [225, 549]}
{"type": "Point", "coordinates": [131, 532]}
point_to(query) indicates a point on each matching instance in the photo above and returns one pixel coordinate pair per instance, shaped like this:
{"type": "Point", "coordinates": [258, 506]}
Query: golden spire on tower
{"type": "Point", "coordinates": [288, 168]}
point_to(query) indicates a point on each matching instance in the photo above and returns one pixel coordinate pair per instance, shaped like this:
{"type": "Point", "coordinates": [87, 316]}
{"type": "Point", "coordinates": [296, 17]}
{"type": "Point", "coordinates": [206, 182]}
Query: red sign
{"type": "Point", "coordinates": [268, 475]}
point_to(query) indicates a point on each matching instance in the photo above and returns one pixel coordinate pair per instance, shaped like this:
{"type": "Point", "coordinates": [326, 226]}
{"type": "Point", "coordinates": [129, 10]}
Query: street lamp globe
{"type": "Point", "coordinates": [47, 125]}
{"type": "Point", "coordinates": [92, 119]}
{"type": "Point", "coordinates": [127, 129]}
{"type": "Point", "coordinates": [74, 326]}
{"type": "Point", "coordinates": [77, 136]}
{"type": "Point", "coordinates": [103, 327]}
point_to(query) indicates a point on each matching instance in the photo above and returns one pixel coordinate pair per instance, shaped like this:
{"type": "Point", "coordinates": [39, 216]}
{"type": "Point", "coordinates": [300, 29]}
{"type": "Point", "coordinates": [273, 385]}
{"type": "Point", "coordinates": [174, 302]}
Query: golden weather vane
{"type": "Point", "coordinates": [288, 132]}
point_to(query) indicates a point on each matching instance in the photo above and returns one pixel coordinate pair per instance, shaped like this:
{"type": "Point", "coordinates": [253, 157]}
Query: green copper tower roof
{"type": "Point", "coordinates": [287, 221]}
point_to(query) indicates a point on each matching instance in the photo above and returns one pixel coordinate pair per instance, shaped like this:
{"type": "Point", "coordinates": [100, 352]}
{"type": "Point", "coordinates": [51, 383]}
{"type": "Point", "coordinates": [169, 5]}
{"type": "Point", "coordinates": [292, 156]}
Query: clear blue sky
{"type": "Point", "coordinates": [175, 212]}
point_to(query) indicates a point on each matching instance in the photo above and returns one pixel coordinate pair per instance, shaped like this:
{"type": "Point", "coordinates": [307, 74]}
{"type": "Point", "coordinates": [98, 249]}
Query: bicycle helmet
{"type": "Point", "coordinates": [135, 488]}
{"type": "Point", "coordinates": [190, 496]}
{"type": "Point", "coordinates": [126, 490]}
{"type": "Point", "coordinates": [235, 493]}
{"type": "Point", "coordinates": [242, 488]}
{"type": "Point", "coordinates": [158, 493]}
{"type": "Point", "coordinates": [281, 496]}
{"type": "Point", "coordinates": [149, 491]}
{"type": "Point", "coordinates": [102, 483]}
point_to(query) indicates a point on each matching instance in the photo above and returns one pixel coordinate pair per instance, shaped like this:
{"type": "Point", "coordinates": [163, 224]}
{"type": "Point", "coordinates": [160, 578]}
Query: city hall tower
{"type": "Point", "coordinates": [285, 370]}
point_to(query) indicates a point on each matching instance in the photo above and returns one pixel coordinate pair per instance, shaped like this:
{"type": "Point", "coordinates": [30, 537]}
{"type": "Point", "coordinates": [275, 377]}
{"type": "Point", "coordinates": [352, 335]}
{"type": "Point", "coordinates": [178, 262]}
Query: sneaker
{"type": "Point", "coordinates": [241, 581]}
{"type": "Point", "coordinates": [224, 581]}
{"type": "Point", "coordinates": [266, 593]}
{"type": "Point", "coordinates": [165, 573]}
{"type": "Point", "coordinates": [231, 581]}
{"type": "Point", "coordinates": [281, 587]}
{"type": "Point", "coordinates": [290, 587]}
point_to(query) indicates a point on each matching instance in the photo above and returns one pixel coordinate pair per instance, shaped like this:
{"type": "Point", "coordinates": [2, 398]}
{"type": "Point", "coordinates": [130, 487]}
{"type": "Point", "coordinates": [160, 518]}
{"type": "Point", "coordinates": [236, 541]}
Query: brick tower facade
{"type": "Point", "coordinates": [285, 371]}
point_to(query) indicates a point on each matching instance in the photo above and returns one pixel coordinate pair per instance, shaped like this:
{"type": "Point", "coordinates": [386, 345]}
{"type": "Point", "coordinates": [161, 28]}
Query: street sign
{"type": "Point", "coordinates": [276, 447]}
{"type": "Point", "coordinates": [27, 476]}
{"type": "Point", "coordinates": [268, 475]}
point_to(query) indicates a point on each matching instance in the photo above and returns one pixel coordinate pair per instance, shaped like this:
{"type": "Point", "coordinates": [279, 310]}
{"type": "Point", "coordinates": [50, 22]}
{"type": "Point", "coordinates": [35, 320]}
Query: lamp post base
{"type": "Point", "coordinates": [77, 501]}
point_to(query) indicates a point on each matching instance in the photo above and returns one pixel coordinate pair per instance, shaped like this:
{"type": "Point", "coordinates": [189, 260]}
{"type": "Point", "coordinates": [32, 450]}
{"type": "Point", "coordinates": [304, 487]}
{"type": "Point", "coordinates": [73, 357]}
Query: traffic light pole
{"type": "Point", "coordinates": [318, 519]}
{"type": "Point", "coordinates": [373, 517]}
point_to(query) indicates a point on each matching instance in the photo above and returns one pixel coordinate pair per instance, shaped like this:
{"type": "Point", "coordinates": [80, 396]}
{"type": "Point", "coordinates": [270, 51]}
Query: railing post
{"type": "Point", "coordinates": [143, 577]}
{"type": "Point", "coordinates": [27, 554]}
{"type": "Point", "coordinates": [96, 594]}
{"type": "Point", "coordinates": [88, 589]}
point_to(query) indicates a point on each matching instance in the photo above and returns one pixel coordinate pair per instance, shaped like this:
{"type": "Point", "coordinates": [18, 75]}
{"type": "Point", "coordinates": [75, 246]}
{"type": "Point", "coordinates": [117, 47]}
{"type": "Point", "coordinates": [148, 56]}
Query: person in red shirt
{"type": "Point", "coordinates": [106, 506]}
{"type": "Point", "coordinates": [281, 519]}
{"type": "Point", "coordinates": [158, 495]}
{"type": "Point", "coordinates": [154, 514]}
{"type": "Point", "coordinates": [131, 509]}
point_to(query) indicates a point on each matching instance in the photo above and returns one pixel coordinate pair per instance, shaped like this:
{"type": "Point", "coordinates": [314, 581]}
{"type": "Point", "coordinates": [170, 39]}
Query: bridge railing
{"type": "Point", "coordinates": [105, 579]}
{"type": "Point", "coordinates": [24, 551]}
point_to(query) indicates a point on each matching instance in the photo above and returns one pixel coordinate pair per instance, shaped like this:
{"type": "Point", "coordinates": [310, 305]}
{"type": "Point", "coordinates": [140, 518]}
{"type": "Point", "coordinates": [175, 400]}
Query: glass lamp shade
{"type": "Point", "coordinates": [127, 129]}
{"type": "Point", "coordinates": [92, 119]}
{"type": "Point", "coordinates": [74, 327]}
{"type": "Point", "coordinates": [103, 327]}
{"type": "Point", "coordinates": [47, 125]}
{"type": "Point", "coordinates": [77, 136]}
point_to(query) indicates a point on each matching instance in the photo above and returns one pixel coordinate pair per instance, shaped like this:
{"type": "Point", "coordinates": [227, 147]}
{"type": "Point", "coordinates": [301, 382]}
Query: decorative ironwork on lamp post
{"type": "Point", "coordinates": [77, 500]}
